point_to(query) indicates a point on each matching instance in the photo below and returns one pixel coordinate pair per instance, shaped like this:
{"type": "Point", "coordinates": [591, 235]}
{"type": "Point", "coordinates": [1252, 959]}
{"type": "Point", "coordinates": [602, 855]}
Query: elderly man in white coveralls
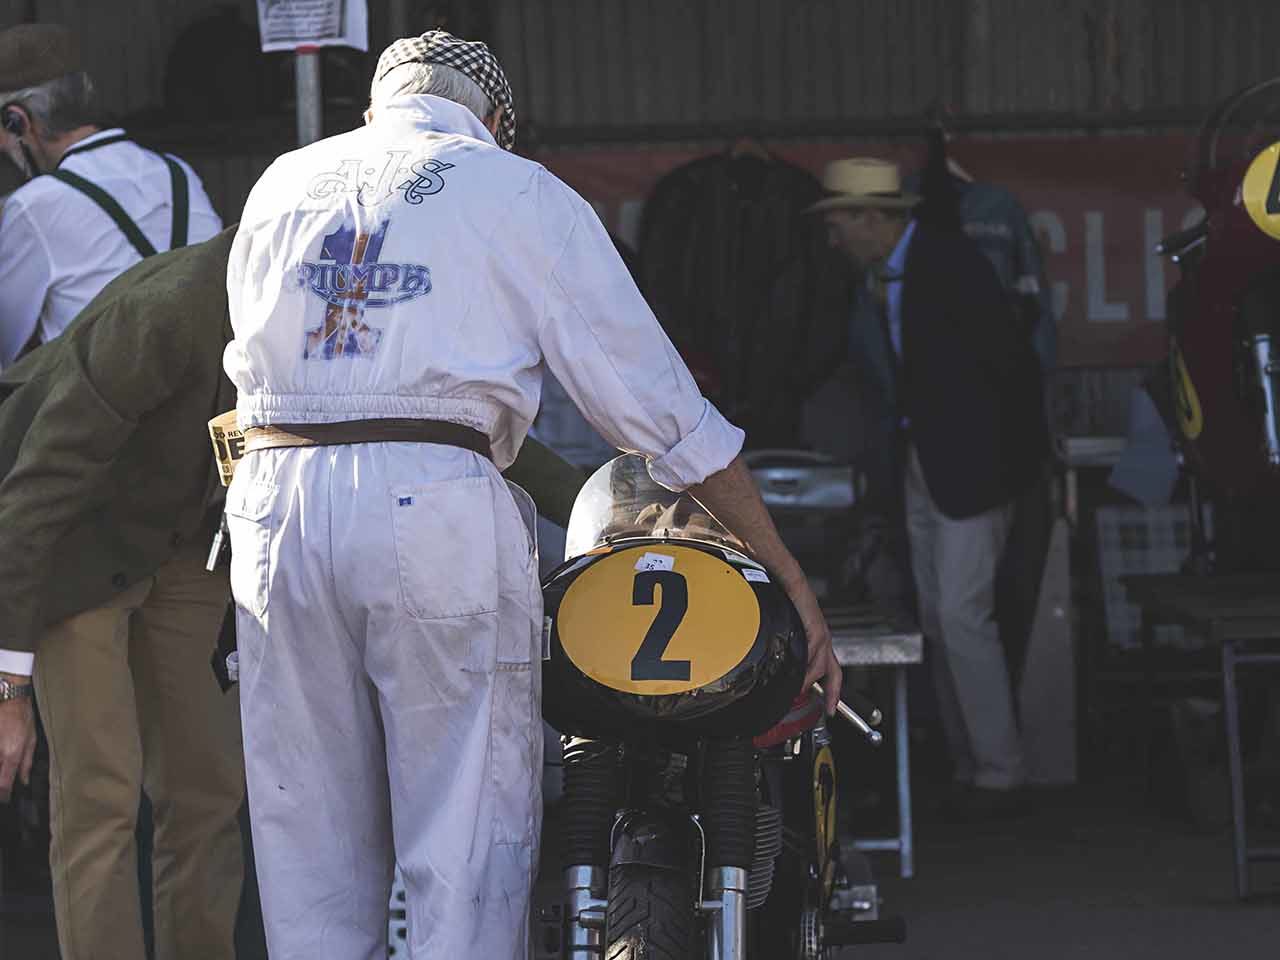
{"type": "Point", "coordinates": [395, 293]}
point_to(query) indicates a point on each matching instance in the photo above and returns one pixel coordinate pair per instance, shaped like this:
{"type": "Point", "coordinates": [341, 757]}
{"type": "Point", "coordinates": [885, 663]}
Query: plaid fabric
{"type": "Point", "coordinates": [471, 58]}
{"type": "Point", "coordinates": [1133, 539]}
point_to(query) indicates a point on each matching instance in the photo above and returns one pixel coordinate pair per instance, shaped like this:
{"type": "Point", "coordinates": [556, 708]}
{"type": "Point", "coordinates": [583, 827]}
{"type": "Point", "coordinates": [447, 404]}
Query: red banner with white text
{"type": "Point", "coordinates": [1098, 204]}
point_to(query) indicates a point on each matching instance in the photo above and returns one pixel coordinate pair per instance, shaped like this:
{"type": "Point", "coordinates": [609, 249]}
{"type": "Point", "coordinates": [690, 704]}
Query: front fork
{"type": "Point", "coordinates": [584, 933]}
{"type": "Point", "coordinates": [729, 799]}
{"type": "Point", "coordinates": [725, 910]}
{"type": "Point", "coordinates": [726, 913]}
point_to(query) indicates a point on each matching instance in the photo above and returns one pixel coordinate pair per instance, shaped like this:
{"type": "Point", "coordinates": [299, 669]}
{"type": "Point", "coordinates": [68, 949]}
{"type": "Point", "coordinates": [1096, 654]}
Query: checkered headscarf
{"type": "Point", "coordinates": [470, 58]}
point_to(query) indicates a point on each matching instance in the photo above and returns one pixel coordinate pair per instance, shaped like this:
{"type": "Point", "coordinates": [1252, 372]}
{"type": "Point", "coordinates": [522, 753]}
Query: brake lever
{"type": "Point", "coordinates": [863, 706]}
{"type": "Point", "coordinates": [853, 717]}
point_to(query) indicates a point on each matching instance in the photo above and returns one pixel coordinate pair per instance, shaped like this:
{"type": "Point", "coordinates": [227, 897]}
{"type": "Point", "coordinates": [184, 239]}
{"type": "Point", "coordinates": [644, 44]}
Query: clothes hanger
{"type": "Point", "coordinates": [749, 147]}
{"type": "Point", "coordinates": [957, 171]}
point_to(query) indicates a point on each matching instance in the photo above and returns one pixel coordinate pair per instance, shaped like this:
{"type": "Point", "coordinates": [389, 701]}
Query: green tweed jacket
{"type": "Point", "coordinates": [105, 458]}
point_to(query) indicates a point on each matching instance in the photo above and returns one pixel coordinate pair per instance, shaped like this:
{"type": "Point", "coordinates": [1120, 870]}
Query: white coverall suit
{"type": "Point", "coordinates": [389, 610]}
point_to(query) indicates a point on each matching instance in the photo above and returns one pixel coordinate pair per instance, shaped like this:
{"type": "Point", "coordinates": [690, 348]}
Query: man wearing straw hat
{"type": "Point", "coordinates": [953, 411]}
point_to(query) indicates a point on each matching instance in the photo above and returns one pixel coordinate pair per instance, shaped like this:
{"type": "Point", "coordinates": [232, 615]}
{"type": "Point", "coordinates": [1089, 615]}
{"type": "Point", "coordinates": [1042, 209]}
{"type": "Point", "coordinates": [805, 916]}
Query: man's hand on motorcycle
{"type": "Point", "coordinates": [17, 744]}
{"type": "Point", "coordinates": [823, 666]}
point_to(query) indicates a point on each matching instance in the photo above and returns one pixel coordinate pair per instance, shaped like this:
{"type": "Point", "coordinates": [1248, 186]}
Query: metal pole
{"type": "Point", "coordinates": [309, 97]}
{"type": "Point", "coordinates": [906, 848]}
{"type": "Point", "coordinates": [1235, 763]}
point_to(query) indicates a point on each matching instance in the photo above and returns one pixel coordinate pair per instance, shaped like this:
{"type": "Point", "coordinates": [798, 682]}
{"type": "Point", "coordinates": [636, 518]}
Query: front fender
{"type": "Point", "coordinates": [653, 839]}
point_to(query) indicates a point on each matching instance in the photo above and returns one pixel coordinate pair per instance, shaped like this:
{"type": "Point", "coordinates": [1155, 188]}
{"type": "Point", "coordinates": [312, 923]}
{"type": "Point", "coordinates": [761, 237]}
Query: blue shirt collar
{"type": "Point", "coordinates": [898, 259]}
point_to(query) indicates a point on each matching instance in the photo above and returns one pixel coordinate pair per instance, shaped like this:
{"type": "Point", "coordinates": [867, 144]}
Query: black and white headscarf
{"type": "Point", "coordinates": [470, 58]}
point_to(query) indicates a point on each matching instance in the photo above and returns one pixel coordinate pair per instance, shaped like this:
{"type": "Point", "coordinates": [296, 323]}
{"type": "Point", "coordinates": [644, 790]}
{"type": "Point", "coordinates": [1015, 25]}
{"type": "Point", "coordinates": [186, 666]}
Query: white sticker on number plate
{"type": "Point", "coordinates": [656, 561]}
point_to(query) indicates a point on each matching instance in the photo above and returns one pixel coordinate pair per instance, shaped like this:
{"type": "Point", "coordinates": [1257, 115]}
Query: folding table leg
{"type": "Point", "coordinates": [1235, 765]}
{"type": "Point", "coordinates": [1146, 699]}
{"type": "Point", "coordinates": [905, 847]}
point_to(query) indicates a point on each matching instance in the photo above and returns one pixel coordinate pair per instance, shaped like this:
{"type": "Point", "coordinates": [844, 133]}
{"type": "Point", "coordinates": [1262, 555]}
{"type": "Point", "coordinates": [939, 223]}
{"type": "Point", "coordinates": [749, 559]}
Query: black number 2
{"type": "Point", "coordinates": [648, 663]}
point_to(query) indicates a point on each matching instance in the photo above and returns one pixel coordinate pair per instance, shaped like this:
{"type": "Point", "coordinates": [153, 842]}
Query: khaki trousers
{"type": "Point", "coordinates": [129, 704]}
{"type": "Point", "coordinates": [954, 563]}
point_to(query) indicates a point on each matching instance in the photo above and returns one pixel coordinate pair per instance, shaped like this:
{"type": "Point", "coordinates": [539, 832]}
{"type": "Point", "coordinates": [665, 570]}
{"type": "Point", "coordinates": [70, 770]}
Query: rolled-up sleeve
{"type": "Point", "coordinates": [607, 349]}
{"type": "Point", "coordinates": [704, 450]}
{"type": "Point", "coordinates": [18, 662]}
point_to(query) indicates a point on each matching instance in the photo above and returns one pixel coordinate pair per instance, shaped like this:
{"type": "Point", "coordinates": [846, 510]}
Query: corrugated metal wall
{"type": "Point", "coordinates": [666, 68]}
{"type": "Point", "coordinates": [126, 43]}
{"type": "Point", "coordinates": [622, 70]}
{"type": "Point", "coordinates": [677, 66]}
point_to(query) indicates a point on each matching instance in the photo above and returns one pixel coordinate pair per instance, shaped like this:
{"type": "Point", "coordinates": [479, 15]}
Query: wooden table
{"type": "Point", "coordinates": [865, 636]}
{"type": "Point", "coordinates": [1241, 615]}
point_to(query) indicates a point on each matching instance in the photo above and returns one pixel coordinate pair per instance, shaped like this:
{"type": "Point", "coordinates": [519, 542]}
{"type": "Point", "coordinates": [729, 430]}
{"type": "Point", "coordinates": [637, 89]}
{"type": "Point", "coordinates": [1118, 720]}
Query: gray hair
{"type": "Point", "coordinates": [432, 78]}
{"type": "Point", "coordinates": [59, 105]}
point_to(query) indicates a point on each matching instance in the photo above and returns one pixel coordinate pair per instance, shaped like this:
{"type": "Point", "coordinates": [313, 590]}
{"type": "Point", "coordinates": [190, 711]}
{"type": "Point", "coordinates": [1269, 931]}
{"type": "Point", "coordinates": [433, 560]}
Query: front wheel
{"type": "Point", "coordinates": [650, 914]}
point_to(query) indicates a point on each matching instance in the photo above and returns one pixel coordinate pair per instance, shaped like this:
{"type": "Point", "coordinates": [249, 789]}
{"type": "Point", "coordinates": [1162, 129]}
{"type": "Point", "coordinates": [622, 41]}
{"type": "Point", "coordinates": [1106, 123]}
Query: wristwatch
{"type": "Point", "coordinates": [14, 691]}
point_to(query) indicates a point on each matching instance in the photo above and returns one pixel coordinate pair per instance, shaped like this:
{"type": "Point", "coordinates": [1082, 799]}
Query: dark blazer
{"type": "Point", "coordinates": [968, 383]}
{"type": "Point", "coordinates": [105, 457]}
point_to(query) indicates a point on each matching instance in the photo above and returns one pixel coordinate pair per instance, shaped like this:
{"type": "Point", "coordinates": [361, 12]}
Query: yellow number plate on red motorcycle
{"type": "Point", "coordinates": [1186, 400]}
{"type": "Point", "coordinates": [658, 619]}
{"type": "Point", "coordinates": [1260, 191]}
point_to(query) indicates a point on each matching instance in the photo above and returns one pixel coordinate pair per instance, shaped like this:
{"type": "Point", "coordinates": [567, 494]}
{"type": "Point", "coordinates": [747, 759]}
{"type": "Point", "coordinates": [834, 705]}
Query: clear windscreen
{"type": "Point", "coordinates": [621, 501]}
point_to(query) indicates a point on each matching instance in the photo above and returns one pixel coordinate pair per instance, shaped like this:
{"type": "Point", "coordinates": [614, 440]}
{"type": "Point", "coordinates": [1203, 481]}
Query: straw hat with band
{"type": "Point", "coordinates": [470, 58]}
{"type": "Point", "coordinates": [862, 182]}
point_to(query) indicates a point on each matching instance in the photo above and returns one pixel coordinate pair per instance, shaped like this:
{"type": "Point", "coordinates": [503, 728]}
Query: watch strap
{"type": "Point", "coordinates": [14, 691]}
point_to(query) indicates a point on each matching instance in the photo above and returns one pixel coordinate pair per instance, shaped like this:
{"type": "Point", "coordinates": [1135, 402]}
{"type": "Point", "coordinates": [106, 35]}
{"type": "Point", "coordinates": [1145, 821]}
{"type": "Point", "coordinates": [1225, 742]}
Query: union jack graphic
{"type": "Point", "coordinates": [347, 261]}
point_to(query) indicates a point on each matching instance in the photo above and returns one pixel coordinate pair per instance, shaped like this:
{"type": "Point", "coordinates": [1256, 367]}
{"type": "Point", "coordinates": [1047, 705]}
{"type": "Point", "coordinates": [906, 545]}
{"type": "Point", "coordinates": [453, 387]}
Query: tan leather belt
{"type": "Point", "coordinates": [366, 431]}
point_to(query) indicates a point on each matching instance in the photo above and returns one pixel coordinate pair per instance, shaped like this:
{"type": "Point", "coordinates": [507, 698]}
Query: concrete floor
{"type": "Point", "coordinates": [1089, 874]}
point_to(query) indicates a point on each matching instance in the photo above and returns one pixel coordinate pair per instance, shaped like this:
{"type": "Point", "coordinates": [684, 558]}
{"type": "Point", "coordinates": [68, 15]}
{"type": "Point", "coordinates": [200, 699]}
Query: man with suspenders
{"type": "Point", "coordinates": [126, 694]}
{"type": "Point", "coordinates": [96, 202]}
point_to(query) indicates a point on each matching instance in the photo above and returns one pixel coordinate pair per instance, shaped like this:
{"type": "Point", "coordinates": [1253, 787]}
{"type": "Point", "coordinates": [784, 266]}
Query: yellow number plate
{"type": "Point", "coordinates": [824, 805]}
{"type": "Point", "coordinates": [658, 619]}
{"type": "Point", "coordinates": [1187, 401]}
{"type": "Point", "coordinates": [1261, 190]}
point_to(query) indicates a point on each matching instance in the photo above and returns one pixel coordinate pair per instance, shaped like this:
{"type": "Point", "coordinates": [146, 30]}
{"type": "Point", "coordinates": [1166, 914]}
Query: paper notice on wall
{"type": "Point", "coordinates": [289, 24]}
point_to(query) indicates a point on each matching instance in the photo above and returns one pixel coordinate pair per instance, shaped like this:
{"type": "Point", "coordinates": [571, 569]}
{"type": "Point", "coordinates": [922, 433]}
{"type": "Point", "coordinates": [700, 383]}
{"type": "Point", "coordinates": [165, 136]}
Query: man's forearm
{"type": "Point", "coordinates": [734, 499]}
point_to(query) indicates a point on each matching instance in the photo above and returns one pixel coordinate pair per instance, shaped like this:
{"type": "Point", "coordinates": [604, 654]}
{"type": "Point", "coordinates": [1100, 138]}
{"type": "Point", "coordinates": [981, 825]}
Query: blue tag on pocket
{"type": "Point", "coordinates": [405, 501]}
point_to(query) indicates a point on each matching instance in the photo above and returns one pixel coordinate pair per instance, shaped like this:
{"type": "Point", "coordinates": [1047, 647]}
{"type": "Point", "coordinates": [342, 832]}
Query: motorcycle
{"type": "Point", "coordinates": [700, 794]}
{"type": "Point", "coordinates": [1224, 331]}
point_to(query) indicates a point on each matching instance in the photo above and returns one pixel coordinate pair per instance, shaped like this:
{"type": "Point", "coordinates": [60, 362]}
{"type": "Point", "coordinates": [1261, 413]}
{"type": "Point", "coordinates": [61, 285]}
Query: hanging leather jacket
{"type": "Point", "coordinates": [745, 287]}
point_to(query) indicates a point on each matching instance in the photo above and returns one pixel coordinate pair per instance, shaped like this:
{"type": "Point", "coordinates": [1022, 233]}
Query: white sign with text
{"type": "Point", "coordinates": [290, 24]}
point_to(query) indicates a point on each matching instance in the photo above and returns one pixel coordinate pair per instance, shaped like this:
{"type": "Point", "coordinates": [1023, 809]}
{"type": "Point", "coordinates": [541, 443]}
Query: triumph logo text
{"type": "Point", "coordinates": [350, 279]}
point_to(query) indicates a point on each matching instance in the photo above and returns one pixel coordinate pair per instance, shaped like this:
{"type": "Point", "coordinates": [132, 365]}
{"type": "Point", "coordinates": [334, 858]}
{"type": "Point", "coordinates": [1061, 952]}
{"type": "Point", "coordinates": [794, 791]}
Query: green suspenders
{"type": "Point", "coordinates": [135, 236]}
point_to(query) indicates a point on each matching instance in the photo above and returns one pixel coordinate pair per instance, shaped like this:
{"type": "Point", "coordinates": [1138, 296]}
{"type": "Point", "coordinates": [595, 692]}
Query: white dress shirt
{"type": "Point", "coordinates": [412, 268]}
{"type": "Point", "coordinates": [58, 248]}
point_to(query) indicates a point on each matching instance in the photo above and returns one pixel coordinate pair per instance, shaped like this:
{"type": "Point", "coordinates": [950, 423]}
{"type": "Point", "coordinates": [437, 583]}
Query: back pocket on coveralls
{"type": "Point", "coordinates": [446, 548]}
{"type": "Point", "coordinates": [249, 507]}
